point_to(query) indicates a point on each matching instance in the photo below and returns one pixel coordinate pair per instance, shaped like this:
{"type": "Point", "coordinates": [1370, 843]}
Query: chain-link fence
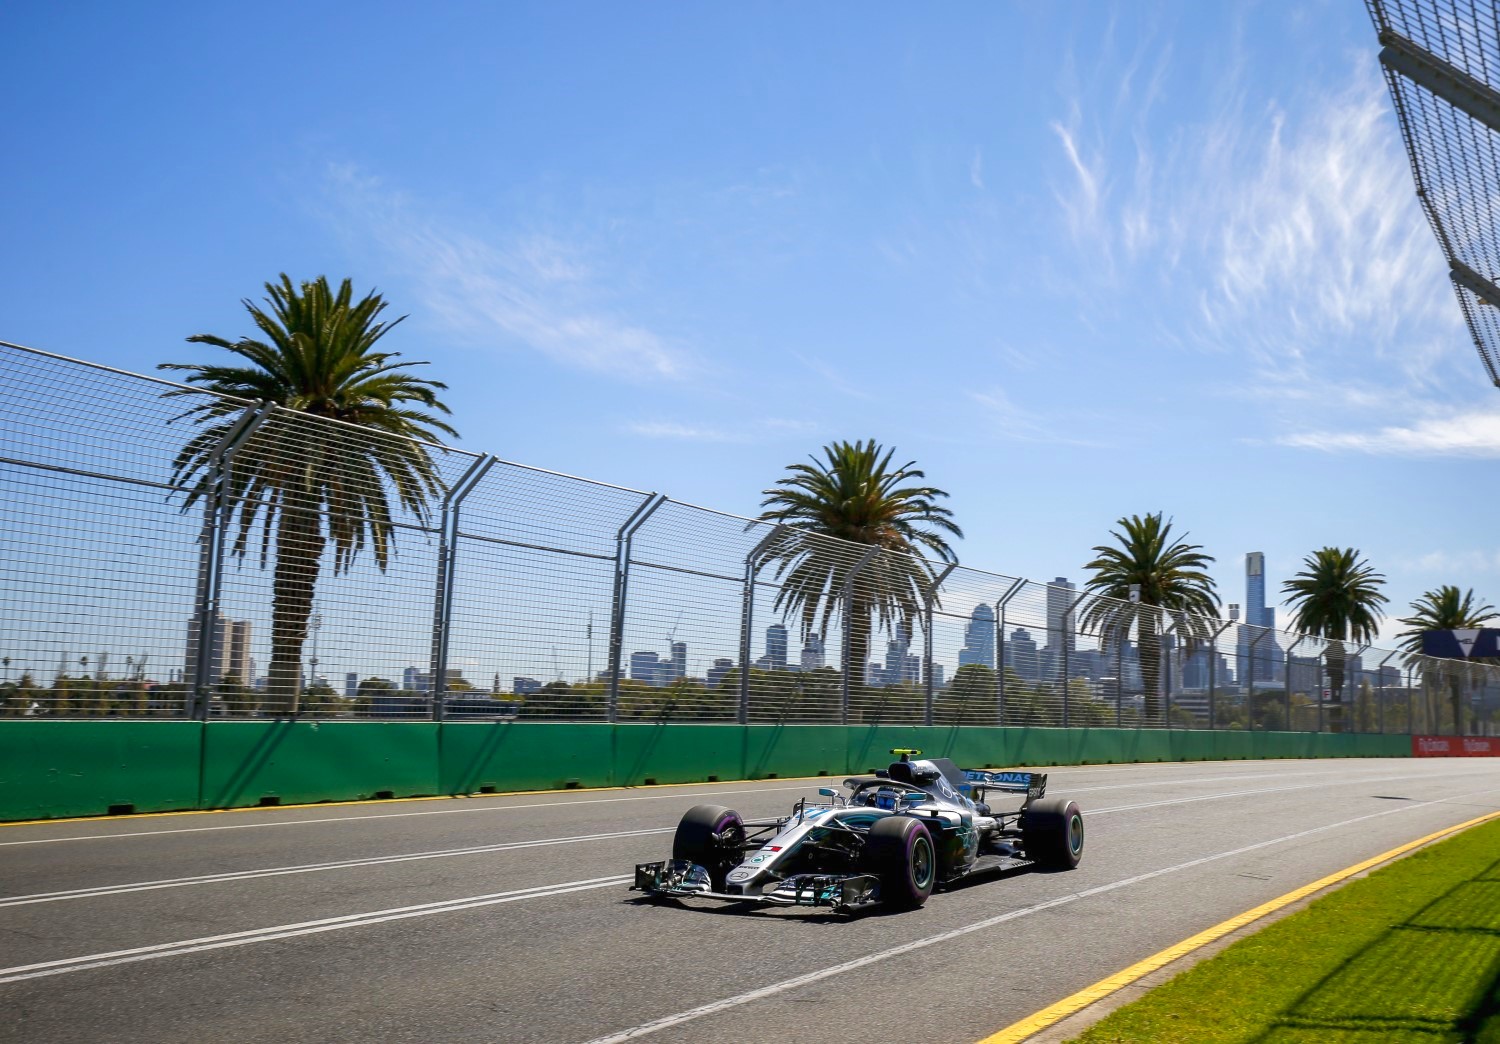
{"type": "Point", "coordinates": [1442, 63]}
{"type": "Point", "coordinates": [166, 553]}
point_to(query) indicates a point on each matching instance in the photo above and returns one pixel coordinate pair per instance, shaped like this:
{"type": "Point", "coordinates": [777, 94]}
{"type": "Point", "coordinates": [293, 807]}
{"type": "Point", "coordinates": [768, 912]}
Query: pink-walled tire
{"type": "Point", "coordinates": [713, 837]}
{"type": "Point", "coordinates": [899, 851]}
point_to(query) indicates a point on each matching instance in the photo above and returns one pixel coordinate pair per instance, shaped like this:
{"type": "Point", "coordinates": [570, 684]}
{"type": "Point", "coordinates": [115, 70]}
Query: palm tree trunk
{"type": "Point", "coordinates": [299, 555]}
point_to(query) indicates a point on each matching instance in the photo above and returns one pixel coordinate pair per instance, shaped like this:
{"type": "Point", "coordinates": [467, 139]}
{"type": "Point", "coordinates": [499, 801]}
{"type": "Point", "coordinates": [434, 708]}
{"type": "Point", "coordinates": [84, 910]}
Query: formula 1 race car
{"type": "Point", "coordinates": [888, 838]}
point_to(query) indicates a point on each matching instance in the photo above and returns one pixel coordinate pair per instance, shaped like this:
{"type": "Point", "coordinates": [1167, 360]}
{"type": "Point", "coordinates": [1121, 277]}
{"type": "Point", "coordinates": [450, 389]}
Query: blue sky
{"type": "Point", "coordinates": [1077, 260]}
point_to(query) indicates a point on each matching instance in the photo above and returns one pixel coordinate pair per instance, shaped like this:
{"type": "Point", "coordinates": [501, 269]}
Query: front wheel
{"type": "Point", "coordinates": [1052, 833]}
{"type": "Point", "coordinates": [713, 837]}
{"type": "Point", "coordinates": [899, 851]}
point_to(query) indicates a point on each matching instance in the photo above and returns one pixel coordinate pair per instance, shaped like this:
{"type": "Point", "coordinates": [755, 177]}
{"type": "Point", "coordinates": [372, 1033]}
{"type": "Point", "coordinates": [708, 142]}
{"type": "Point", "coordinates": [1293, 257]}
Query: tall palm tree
{"type": "Point", "coordinates": [305, 486]}
{"type": "Point", "coordinates": [1172, 580]}
{"type": "Point", "coordinates": [855, 495]}
{"type": "Point", "coordinates": [1336, 596]}
{"type": "Point", "coordinates": [1445, 609]}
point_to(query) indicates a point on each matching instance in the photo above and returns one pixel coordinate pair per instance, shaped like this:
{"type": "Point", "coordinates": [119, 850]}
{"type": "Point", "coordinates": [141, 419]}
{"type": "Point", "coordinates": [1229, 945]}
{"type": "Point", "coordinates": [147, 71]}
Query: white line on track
{"type": "Point", "coordinates": [386, 815]}
{"type": "Point", "coordinates": [585, 801]}
{"type": "Point", "coordinates": [307, 868]}
{"type": "Point", "coordinates": [1251, 793]}
{"type": "Point", "coordinates": [287, 931]}
{"type": "Point", "coordinates": [773, 989]}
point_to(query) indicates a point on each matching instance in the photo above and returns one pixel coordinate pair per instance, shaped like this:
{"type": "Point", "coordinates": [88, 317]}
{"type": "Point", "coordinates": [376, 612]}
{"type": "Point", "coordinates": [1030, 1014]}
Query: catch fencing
{"type": "Point", "coordinates": [166, 553]}
{"type": "Point", "coordinates": [1441, 60]}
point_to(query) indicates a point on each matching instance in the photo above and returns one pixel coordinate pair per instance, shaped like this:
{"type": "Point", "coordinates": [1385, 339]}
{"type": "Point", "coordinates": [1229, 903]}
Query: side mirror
{"type": "Point", "coordinates": [828, 792]}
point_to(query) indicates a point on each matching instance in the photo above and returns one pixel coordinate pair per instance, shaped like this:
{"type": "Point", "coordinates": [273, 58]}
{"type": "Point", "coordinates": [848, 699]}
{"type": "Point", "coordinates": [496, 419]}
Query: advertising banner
{"type": "Point", "coordinates": [1455, 747]}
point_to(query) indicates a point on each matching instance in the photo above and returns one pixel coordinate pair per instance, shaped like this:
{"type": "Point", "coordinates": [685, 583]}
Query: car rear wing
{"type": "Point", "coordinates": [1032, 784]}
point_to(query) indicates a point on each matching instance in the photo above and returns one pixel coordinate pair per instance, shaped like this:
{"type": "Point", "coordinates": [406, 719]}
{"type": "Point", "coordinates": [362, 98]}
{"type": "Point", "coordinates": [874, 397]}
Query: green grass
{"type": "Point", "coordinates": [1410, 953]}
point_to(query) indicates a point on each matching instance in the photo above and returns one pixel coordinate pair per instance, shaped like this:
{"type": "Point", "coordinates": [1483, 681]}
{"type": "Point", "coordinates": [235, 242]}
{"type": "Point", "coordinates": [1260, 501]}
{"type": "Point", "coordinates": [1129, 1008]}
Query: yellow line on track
{"type": "Point", "coordinates": [1048, 1017]}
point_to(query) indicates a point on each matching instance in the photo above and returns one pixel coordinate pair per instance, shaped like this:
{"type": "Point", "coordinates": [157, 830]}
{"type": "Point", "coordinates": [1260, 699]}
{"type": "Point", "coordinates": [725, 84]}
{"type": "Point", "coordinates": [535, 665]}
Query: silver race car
{"type": "Point", "coordinates": [888, 838]}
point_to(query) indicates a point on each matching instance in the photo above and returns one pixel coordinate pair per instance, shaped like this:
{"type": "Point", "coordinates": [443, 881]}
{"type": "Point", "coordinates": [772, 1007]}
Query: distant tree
{"type": "Point", "coordinates": [310, 487]}
{"type": "Point", "coordinates": [1336, 596]}
{"type": "Point", "coordinates": [855, 494]}
{"type": "Point", "coordinates": [1445, 609]}
{"type": "Point", "coordinates": [1172, 580]}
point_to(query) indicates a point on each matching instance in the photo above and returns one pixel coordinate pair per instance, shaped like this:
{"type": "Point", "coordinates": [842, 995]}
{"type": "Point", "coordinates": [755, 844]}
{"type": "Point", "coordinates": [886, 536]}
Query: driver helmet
{"type": "Point", "coordinates": [887, 798]}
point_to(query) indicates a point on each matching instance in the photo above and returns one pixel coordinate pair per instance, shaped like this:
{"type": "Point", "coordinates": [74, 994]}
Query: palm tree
{"type": "Point", "coordinates": [855, 495]}
{"type": "Point", "coordinates": [1170, 574]}
{"type": "Point", "coordinates": [1336, 596]}
{"type": "Point", "coordinates": [1445, 609]}
{"type": "Point", "coordinates": [307, 485]}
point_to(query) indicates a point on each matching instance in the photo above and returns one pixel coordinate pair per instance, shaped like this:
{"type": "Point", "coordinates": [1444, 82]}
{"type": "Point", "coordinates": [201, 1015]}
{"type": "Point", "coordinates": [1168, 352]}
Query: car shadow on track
{"type": "Point", "coordinates": [821, 915]}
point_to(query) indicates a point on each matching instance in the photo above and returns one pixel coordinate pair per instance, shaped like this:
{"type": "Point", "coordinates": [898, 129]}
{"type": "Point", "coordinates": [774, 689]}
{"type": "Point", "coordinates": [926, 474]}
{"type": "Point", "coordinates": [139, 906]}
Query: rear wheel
{"type": "Point", "coordinates": [899, 851]}
{"type": "Point", "coordinates": [1052, 833]}
{"type": "Point", "coordinates": [713, 837]}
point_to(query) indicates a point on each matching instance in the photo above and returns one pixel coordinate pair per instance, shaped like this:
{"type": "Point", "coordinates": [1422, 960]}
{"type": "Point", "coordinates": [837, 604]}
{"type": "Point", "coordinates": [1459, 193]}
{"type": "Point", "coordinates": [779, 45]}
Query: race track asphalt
{"type": "Point", "coordinates": [507, 918]}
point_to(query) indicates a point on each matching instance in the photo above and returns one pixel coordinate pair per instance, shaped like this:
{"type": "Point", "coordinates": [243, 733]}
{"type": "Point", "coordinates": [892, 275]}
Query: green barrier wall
{"type": "Point", "coordinates": [75, 768]}
{"type": "Point", "coordinates": [51, 769]}
{"type": "Point", "coordinates": [523, 756]}
{"type": "Point", "coordinates": [289, 762]}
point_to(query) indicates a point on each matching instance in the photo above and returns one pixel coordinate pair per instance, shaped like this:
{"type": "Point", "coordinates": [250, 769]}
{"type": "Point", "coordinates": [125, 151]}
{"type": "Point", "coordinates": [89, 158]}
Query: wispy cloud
{"type": "Point", "coordinates": [682, 432]}
{"type": "Point", "coordinates": [764, 429]}
{"type": "Point", "coordinates": [1281, 231]}
{"type": "Point", "coordinates": [1012, 422]}
{"type": "Point", "coordinates": [1471, 434]}
{"type": "Point", "coordinates": [976, 169]}
{"type": "Point", "coordinates": [833, 377]}
{"type": "Point", "coordinates": [1450, 563]}
{"type": "Point", "coordinates": [524, 291]}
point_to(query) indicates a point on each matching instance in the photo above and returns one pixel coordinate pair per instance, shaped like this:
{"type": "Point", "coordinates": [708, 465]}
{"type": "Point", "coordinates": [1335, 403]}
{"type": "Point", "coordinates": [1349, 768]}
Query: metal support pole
{"type": "Point", "coordinates": [747, 612]}
{"type": "Point", "coordinates": [1213, 666]}
{"type": "Point", "coordinates": [1411, 726]}
{"type": "Point", "coordinates": [927, 686]}
{"type": "Point", "coordinates": [1250, 678]}
{"type": "Point", "coordinates": [1068, 634]}
{"type": "Point", "coordinates": [1379, 673]}
{"type": "Point", "coordinates": [847, 599]}
{"type": "Point", "coordinates": [1000, 648]}
{"type": "Point", "coordinates": [1287, 677]}
{"type": "Point", "coordinates": [211, 554]}
{"type": "Point", "coordinates": [1352, 703]}
{"type": "Point", "coordinates": [442, 609]}
{"type": "Point", "coordinates": [1169, 663]}
{"type": "Point", "coordinates": [644, 510]}
{"type": "Point", "coordinates": [1120, 681]}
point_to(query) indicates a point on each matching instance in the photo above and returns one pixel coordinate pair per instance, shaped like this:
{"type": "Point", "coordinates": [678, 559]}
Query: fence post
{"type": "Point", "coordinates": [211, 555]}
{"type": "Point", "coordinates": [847, 599]}
{"type": "Point", "coordinates": [1287, 679]}
{"type": "Point", "coordinates": [1213, 667]}
{"type": "Point", "coordinates": [927, 693]}
{"type": "Point", "coordinates": [1069, 634]}
{"type": "Point", "coordinates": [643, 511]}
{"type": "Point", "coordinates": [1380, 690]}
{"type": "Point", "coordinates": [442, 610]}
{"type": "Point", "coordinates": [1000, 647]}
{"type": "Point", "coordinates": [747, 611]}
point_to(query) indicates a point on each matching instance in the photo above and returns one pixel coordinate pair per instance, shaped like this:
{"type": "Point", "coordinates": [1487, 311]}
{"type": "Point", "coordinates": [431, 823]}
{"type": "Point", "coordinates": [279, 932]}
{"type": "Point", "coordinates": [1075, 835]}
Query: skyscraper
{"type": "Point", "coordinates": [1060, 623]}
{"type": "Point", "coordinates": [1022, 655]}
{"type": "Point", "coordinates": [979, 638]}
{"type": "Point", "coordinates": [1268, 662]}
{"type": "Point", "coordinates": [813, 656]}
{"type": "Point", "coordinates": [895, 655]}
{"type": "Point", "coordinates": [679, 659]}
{"type": "Point", "coordinates": [776, 647]}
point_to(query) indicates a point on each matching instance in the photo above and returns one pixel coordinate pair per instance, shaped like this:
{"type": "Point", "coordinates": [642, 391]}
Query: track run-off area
{"type": "Point", "coordinates": [508, 917]}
